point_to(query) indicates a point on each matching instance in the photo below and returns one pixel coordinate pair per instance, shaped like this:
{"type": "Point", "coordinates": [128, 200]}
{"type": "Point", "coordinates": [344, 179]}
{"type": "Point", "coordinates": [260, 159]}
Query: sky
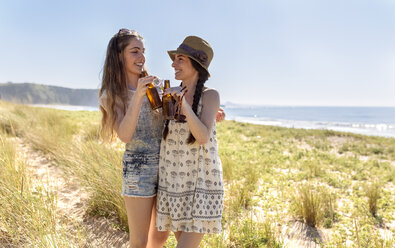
{"type": "Point", "coordinates": [266, 52]}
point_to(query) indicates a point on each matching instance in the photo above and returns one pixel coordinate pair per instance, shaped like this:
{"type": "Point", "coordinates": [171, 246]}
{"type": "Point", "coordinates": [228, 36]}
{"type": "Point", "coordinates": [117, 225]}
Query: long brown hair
{"type": "Point", "coordinates": [203, 76]}
{"type": "Point", "coordinates": [114, 85]}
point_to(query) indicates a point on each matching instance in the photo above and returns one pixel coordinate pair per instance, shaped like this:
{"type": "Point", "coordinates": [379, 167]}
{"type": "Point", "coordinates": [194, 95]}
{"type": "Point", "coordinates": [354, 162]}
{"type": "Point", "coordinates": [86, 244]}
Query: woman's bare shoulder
{"type": "Point", "coordinates": [210, 93]}
{"type": "Point", "coordinates": [210, 96]}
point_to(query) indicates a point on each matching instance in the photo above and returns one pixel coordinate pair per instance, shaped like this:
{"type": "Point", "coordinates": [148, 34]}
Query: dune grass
{"type": "Point", "coordinates": [272, 176]}
{"type": "Point", "coordinates": [71, 140]}
{"type": "Point", "coordinates": [28, 216]}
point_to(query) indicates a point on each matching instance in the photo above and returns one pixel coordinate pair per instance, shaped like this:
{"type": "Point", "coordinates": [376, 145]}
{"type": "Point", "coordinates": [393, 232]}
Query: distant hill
{"type": "Point", "coordinates": [30, 93]}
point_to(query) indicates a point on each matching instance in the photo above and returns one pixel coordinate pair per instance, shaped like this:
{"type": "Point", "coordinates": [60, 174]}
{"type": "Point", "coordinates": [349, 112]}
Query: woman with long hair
{"type": "Point", "coordinates": [126, 113]}
{"type": "Point", "coordinates": [190, 192]}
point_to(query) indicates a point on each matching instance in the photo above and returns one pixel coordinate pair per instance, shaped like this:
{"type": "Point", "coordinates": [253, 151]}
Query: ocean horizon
{"type": "Point", "coordinates": [377, 121]}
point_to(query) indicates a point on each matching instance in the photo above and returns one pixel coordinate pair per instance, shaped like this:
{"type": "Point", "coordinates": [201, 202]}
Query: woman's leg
{"type": "Point", "coordinates": [156, 238]}
{"type": "Point", "coordinates": [177, 235]}
{"type": "Point", "coordinates": [189, 239]}
{"type": "Point", "coordinates": [139, 212]}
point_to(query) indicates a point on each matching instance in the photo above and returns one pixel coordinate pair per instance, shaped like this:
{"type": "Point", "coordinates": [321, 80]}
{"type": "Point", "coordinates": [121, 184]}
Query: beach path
{"type": "Point", "coordinates": [71, 201]}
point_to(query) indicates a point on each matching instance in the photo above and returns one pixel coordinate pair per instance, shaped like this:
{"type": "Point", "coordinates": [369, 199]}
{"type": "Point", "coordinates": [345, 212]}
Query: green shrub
{"type": "Point", "coordinates": [313, 204]}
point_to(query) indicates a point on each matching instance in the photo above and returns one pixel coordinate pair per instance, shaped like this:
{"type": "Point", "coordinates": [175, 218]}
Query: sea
{"type": "Point", "coordinates": [377, 121]}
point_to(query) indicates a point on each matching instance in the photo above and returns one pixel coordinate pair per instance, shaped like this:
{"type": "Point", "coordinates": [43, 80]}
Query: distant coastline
{"type": "Point", "coordinates": [66, 107]}
{"type": "Point", "coordinates": [31, 93]}
{"type": "Point", "coordinates": [379, 121]}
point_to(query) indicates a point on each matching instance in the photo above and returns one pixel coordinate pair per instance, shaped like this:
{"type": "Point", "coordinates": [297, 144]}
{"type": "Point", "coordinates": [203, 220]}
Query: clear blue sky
{"type": "Point", "coordinates": [267, 52]}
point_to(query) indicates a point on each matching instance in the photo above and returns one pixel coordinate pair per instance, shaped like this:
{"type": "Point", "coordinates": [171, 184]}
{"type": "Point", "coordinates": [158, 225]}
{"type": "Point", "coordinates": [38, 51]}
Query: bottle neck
{"type": "Point", "coordinates": [167, 85]}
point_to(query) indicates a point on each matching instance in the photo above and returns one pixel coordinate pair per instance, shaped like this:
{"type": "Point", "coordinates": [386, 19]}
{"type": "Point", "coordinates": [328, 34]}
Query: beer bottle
{"type": "Point", "coordinates": [144, 74]}
{"type": "Point", "coordinates": [152, 94]}
{"type": "Point", "coordinates": [168, 103]}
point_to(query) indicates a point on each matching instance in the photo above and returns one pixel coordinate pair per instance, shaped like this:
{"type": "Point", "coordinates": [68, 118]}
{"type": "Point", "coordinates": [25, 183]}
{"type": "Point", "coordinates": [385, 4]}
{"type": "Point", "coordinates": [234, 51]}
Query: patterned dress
{"type": "Point", "coordinates": [190, 192]}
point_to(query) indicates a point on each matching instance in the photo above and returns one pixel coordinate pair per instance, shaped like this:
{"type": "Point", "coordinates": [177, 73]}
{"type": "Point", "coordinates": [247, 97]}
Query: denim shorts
{"type": "Point", "coordinates": [140, 174]}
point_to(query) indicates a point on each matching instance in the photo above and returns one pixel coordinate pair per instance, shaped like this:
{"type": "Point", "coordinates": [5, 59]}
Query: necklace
{"type": "Point", "coordinates": [131, 88]}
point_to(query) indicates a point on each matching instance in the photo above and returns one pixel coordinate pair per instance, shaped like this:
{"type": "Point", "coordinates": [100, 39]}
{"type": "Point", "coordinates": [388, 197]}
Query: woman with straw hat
{"type": "Point", "coordinates": [190, 192]}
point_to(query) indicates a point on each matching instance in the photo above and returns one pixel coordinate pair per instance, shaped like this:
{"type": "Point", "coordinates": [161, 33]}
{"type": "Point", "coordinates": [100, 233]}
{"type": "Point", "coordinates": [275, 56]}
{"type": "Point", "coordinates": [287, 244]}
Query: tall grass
{"type": "Point", "coordinates": [28, 215]}
{"type": "Point", "coordinates": [247, 233]}
{"type": "Point", "coordinates": [75, 146]}
{"type": "Point", "coordinates": [372, 191]}
{"type": "Point", "coordinates": [99, 168]}
{"type": "Point", "coordinates": [313, 203]}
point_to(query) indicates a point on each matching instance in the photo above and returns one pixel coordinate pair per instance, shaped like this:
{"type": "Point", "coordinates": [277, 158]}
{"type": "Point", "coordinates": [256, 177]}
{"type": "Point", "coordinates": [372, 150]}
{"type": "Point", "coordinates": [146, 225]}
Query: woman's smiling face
{"type": "Point", "coordinates": [183, 67]}
{"type": "Point", "coordinates": [133, 57]}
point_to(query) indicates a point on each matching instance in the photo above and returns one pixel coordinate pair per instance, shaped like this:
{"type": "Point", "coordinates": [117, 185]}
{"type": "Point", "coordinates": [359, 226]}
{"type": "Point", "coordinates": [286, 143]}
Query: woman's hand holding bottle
{"type": "Point", "coordinates": [143, 84]}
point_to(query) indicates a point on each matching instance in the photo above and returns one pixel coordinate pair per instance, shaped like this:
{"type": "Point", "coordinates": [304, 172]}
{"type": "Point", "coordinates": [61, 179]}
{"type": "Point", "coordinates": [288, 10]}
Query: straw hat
{"type": "Point", "coordinates": [195, 48]}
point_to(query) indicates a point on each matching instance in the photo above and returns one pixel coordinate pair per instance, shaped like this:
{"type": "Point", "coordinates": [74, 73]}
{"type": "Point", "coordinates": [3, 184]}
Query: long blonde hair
{"type": "Point", "coordinates": [114, 84]}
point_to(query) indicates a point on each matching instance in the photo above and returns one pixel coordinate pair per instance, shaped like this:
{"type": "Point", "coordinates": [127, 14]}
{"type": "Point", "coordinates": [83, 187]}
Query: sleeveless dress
{"type": "Point", "coordinates": [190, 192]}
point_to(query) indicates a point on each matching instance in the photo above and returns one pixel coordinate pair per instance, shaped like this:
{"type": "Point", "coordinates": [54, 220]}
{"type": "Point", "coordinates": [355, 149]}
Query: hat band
{"type": "Point", "coordinates": [199, 55]}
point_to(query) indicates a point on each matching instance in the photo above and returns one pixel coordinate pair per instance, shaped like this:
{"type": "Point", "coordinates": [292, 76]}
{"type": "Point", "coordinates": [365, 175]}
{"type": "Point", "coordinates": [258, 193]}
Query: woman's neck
{"type": "Point", "coordinates": [190, 84]}
{"type": "Point", "coordinates": [132, 80]}
{"type": "Point", "coordinates": [191, 87]}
